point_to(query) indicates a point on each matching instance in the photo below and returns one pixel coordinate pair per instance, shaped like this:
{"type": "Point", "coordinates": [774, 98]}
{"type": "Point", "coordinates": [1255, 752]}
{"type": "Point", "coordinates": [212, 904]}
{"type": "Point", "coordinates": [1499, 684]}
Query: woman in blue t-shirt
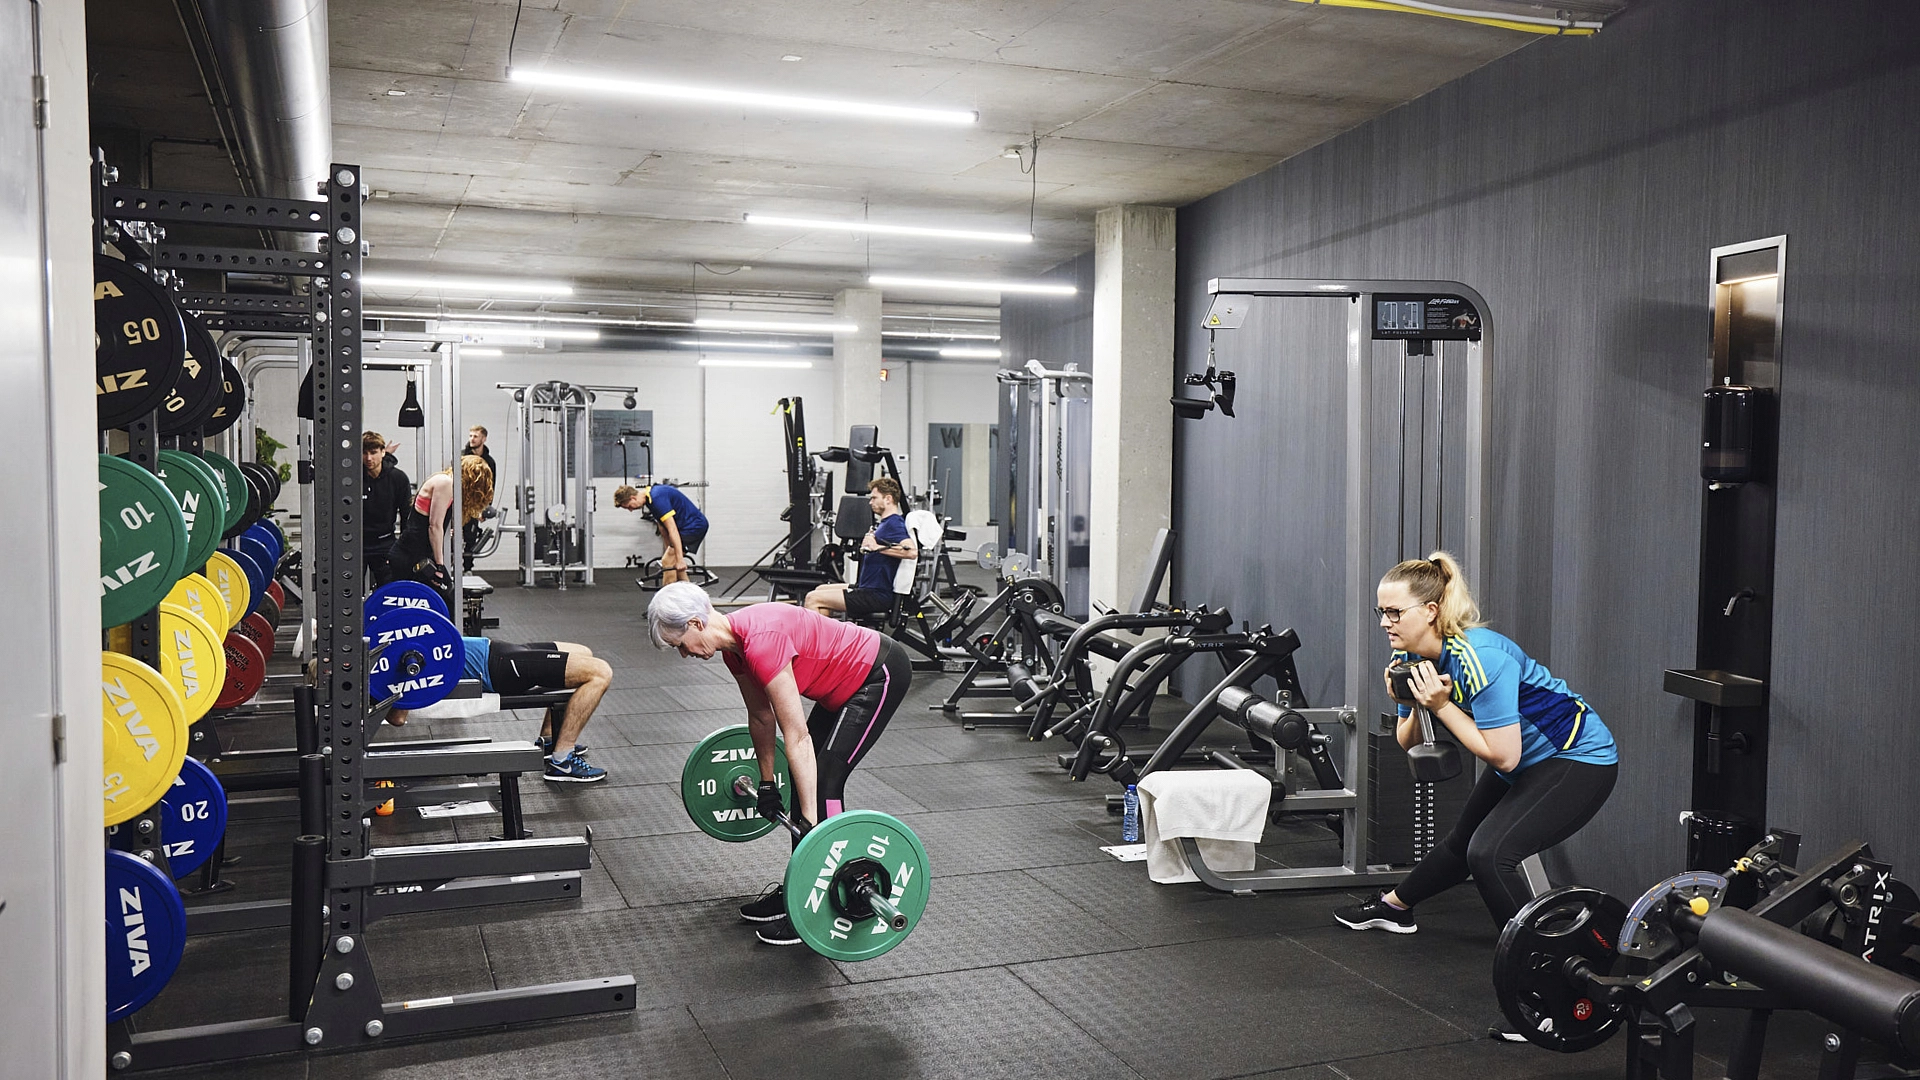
{"type": "Point", "coordinates": [1553, 761]}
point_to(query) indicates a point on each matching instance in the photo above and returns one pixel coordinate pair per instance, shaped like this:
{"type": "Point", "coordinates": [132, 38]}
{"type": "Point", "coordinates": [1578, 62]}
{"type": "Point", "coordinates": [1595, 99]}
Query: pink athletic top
{"type": "Point", "coordinates": [830, 658]}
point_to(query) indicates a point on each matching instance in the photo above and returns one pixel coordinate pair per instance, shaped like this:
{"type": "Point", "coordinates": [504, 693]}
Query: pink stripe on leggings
{"type": "Point", "coordinates": [834, 806]}
{"type": "Point", "coordinates": [886, 684]}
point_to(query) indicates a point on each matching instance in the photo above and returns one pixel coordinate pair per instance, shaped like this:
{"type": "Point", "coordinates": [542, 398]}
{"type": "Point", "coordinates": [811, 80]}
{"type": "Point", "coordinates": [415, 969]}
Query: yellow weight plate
{"type": "Point", "coordinates": [192, 656]}
{"type": "Point", "coordinates": [225, 573]}
{"type": "Point", "coordinates": [144, 727]}
{"type": "Point", "coordinates": [197, 594]}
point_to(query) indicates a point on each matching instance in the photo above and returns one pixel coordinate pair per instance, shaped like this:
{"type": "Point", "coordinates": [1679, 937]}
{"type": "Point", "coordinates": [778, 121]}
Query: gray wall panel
{"type": "Point", "coordinates": [1579, 185]}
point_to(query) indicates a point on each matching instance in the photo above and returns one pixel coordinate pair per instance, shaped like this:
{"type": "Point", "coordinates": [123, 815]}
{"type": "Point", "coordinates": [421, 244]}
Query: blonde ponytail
{"type": "Point", "coordinates": [1437, 579]}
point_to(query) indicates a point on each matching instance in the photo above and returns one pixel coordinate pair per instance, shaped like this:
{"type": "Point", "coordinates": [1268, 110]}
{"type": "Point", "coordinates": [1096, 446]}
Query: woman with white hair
{"type": "Point", "coordinates": [779, 654]}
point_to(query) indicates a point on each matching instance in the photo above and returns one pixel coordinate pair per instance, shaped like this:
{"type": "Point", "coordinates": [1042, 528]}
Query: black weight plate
{"type": "Point", "coordinates": [269, 482]}
{"type": "Point", "coordinates": [1530, 977]}
{"type": "Point", "coordinates": [227, 413]}
{"type": "Point", "coordinates": [139, 342]}
{"type": "Point", "coordinates": [255, 508]}
{"type": "Point", "coordinates": [198, 389]}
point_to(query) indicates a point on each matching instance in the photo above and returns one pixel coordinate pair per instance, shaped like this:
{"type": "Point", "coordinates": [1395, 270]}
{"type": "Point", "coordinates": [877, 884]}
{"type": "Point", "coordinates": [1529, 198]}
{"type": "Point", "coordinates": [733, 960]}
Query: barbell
{"type": "Point", "coordinates": [857, 883]}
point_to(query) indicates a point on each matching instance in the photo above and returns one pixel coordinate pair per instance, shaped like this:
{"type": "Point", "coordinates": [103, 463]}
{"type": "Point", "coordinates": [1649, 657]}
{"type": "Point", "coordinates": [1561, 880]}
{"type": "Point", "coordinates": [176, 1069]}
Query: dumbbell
{"type": "Point", "coordinates": [1432, 761]}
{"type": "Point", "coordinates": [856, 884]}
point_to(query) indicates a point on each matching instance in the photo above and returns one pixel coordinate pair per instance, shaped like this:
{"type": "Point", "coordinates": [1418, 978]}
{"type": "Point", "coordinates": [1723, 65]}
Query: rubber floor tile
{"type": "Point", "coordinates": [981, 1025]}
{"type": "Point", "coordinates": [982, 920]}
{"type": "Point", "coordinates": [1210, 1009]}
{"type": "Point", "coordinates": [677, 955]}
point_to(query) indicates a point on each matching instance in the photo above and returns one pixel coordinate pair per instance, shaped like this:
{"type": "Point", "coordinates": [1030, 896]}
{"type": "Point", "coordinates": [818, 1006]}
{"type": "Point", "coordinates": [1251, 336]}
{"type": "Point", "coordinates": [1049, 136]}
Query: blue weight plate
{"type": "Point", "coordinates": [279, 535]}
{"type": "Point", "coordinates": [258, 574]}
{"type": "Point", "coordinates": [263, 551]}
{"type": "Point", "coordinates": [193, 818]}
{"type": "Point", "coordinates": [146, 932]}
{"type": "Point", "coordinates": [405, 594]}
{"type": "Point", "coordinates": [269, 537]}
{"type": "Point", "coordinates": [422, 659]}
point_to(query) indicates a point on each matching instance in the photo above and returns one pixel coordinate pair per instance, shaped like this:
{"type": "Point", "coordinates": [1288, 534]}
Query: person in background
{"type": "Point", "coordinates": [682, 526]}
{"type": "Point", "coordinates": [881, 551]}
{"type": "Point", "coordinates": [470, 533]}
{"type": "Point", "coordinates": [421, 552]}
{"type": "Point", "coordinates": [383, 500]}
{"type": "Point", "coordinates": [511, 669]}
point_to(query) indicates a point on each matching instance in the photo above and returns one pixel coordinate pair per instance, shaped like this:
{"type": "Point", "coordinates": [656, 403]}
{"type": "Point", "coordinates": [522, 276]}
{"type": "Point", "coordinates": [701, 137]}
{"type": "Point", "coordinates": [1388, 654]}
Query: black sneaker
{"type": "Point", "coordinates": [1376, 914]}
{"type": "Point", "coordinates": [771, 907]}
{"type": "Point", "coordinates": [778, 933]}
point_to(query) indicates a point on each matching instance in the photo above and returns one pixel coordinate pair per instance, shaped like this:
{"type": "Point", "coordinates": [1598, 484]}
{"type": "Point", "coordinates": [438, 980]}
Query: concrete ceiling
{"type": "Point", "coordinates": [639, 202]}
{"type": "Point", "coordinates": [1150, 101]}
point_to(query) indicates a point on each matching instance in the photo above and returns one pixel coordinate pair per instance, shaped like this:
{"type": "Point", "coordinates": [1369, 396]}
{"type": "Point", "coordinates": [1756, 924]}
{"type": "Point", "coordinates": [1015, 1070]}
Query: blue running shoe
{"type": "Point", "coordinates": [573, 769]}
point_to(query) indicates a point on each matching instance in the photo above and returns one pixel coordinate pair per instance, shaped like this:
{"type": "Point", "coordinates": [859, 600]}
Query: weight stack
{"type": "Point", "coordinates": [1407, 819]}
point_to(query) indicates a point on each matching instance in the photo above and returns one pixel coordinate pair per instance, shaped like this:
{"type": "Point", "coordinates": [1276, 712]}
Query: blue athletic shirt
{"type": "Point", "coordinates": [876, 571]}
{"type": "Point", "coordinates": [474, 664]}
{"type": "Point", "coordinates": [1499, 685]}
{"type": "Point", "coordinates": [669, 501]}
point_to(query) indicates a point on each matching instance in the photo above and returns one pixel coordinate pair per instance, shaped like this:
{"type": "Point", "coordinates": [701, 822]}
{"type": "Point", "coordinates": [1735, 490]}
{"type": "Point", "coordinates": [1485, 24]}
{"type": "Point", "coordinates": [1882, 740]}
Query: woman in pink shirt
{"type": "Point", "coordinates": [779, 654]}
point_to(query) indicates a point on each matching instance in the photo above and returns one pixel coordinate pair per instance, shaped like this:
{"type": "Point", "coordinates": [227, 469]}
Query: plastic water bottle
{"type": "Point", "coordinates": [1130, 816]}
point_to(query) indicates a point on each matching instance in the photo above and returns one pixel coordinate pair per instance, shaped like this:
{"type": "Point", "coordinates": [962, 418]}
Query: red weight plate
{"type": "Point", "coordinates": [257, 629]}
{"type": "Point", "coordinates": [246, 671]}
{"type": "Point", "coordinates": [279, 594]}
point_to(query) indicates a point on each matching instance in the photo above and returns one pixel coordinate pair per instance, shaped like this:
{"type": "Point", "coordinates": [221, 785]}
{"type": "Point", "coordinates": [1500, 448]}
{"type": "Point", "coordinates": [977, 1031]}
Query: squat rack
{"type": "Point", "coordinates": [334, 999]}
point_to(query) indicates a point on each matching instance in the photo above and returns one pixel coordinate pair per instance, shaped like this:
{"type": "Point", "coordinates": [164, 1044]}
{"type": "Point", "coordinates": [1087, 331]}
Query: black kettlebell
{"type": "Point", "coordinates": [1432, 761]}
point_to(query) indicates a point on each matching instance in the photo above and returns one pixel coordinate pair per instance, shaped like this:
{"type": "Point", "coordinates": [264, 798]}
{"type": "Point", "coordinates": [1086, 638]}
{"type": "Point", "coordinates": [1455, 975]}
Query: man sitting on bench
{"type": "Point", "coordinates": [512, 669]}
{"type": "Point", "coordinates": [881, 552]}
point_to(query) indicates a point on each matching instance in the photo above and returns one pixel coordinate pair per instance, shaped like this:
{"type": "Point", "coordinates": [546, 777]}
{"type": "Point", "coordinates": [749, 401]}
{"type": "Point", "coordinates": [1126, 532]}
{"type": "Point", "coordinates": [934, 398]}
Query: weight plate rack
{"type": "Point", "coordinates": [334, 1001]}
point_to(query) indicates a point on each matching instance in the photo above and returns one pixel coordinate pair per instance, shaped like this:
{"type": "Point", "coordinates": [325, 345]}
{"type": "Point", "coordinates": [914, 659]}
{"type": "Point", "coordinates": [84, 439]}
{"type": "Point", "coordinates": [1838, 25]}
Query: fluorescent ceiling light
{"type": "Point", "coordinates": [526, 317]}
{"type": "Point", "coordinates": [475, 350]}
{"type": "Point", "coordinates": [896, 230]}
{"type": "Point", "coordinates": [974, 286]}
{"type": "Point", "coordinates": [715, 95]}
{"type": "Point", "coordinates": [940, 335]}
{"type": "Point", "coordinates": [511, 334]}
{"type": "Point", "coordinates": [721, 361]}
{"type": "Point", "coordinates": [970, 354]}
{"type": "Point", "coordinates": [736, 344]}
{"type": "Point", "coordinates": [946, 318]}
{"type": "Point", "coordinates": [466, 285]}
{"type": "Point", "coordinates": [706, 323]}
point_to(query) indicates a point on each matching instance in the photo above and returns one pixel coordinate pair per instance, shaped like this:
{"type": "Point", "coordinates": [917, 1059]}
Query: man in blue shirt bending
{"type": "Point", "coordinates": [881, 552]}
{"type": "Point", "coordinates": [682, 526]}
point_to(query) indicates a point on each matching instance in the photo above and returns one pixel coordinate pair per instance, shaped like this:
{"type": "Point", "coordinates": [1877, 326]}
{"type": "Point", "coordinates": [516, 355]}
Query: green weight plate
{"type": "Point", "coordinates": [233, 484]}
{"type": "Point", "coordinates": [233, 399]}
{"type": "Point", "coordinates": [706, 785]}
{"type": "Point", "coordinates": [139, 342]}
{"type": "Point", "coordinates": [203, 503]}
{"type": "Point", "coordinates": [857, 845]}
{"type": "Point", "coordinates": [143, 541]}
{"type": "Point", "coordinates": [199, 388]}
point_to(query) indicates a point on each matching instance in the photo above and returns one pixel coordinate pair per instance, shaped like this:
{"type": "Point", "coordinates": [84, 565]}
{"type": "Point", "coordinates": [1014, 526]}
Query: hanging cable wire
{"type": "Point", "coordinates": [515, 36]}
{"type": "Point", "coordinates": [1030, 165]}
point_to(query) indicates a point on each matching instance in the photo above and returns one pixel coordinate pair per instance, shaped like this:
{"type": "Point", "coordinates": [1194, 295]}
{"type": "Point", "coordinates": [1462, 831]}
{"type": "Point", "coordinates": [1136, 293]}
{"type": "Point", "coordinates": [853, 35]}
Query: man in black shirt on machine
{"type": "Point", "coordinates": [382, 502]}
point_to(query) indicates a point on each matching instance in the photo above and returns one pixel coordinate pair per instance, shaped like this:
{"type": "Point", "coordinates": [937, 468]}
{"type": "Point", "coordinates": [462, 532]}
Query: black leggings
{"type": "Point", "coordinates": [841, 737]}
{"type": "Point", "coordinates": [1503, 823]}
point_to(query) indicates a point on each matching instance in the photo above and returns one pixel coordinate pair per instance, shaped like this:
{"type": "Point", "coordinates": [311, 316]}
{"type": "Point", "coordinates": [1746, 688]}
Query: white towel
{"type": "Point", "coordinates": [1224, 809]}
{"type": "Point", "coordinates": [458, 708]}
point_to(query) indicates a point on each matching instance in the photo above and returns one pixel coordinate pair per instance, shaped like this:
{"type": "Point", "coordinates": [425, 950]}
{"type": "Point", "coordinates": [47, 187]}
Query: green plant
{"type": "Point", "coordinates": [264, 446]}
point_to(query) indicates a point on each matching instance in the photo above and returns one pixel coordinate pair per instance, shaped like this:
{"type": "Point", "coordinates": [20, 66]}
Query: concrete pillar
{"type": "Point", "coordinates": [857, 390]}
{"type": "Point", "coordinates": [1133, 378]}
